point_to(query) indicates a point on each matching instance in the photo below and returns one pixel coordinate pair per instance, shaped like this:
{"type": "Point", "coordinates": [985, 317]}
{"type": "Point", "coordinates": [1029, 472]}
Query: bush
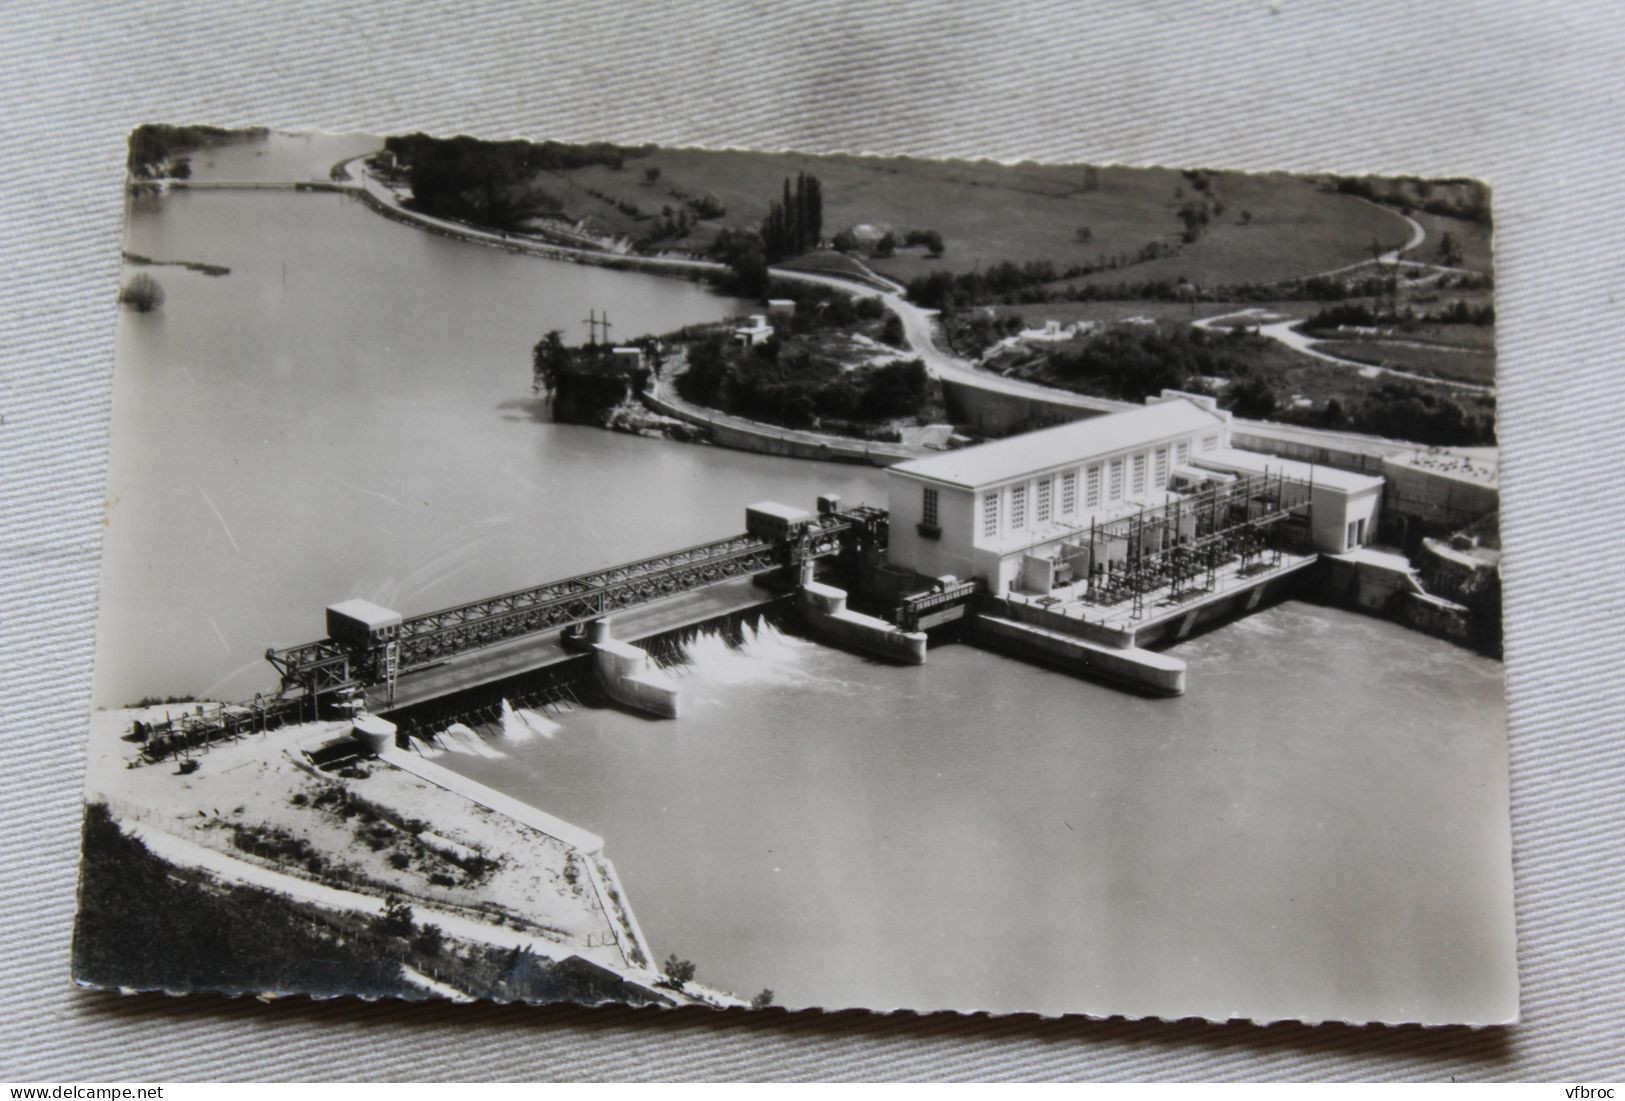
{"type": "Point", "coordinates": [1252, 398]}
{"type": "Point", "coordinates": [678, 971]}
{"type": "Point", "coordinates": [395, 921]}
{"type": "Point", "coordinates": [1346, 313]}
{"type": "Point", "coordinates": [429, 941]}
{"type": "Point", "coordinates": [930, 238]}
{"type": "Point", "coordinates": [1407, 412]}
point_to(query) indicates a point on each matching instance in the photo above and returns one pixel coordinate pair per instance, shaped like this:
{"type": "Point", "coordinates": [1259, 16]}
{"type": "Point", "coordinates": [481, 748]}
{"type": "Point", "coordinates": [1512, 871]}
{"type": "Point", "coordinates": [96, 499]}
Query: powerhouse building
{"type": "Point", "coordinates": [1030, 512]}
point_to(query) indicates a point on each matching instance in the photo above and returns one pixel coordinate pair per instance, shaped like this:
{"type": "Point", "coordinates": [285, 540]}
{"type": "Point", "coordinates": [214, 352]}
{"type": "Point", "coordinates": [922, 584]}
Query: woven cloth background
{"type": "Point", "coordinates": [1526, 95]}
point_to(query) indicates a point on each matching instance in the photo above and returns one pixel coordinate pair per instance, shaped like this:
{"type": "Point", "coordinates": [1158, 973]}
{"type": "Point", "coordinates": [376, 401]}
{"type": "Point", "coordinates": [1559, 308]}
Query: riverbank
{"type": "Point", "coordinates": [483, 869]}
{"type": "Point", "coordinates": [995, 404]}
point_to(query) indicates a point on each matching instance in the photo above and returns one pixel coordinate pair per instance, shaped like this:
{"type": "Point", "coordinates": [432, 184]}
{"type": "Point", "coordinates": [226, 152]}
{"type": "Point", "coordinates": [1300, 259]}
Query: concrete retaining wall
{"type": "Point", "coordinates": [1326, 452]}
{"type": "Point", "coordinates": [1436, 616]}
{"type": "Point", "coordinates": [990, 412]}
{"type": "Point", "coordinates": [1225, 606]}
{"type": "Point", "coordinates": [765, 440]}
{"type": "Point", "coordinates": [824, 608]}
{"type": "Point", "coordinates": [1362, 585]}
{"type": "Point", "coordinates": [1133, 668]}
{"type": "Point", "coordinates": [1436, 500]}
{"type": "Point", "coordinates": [1054, 621]}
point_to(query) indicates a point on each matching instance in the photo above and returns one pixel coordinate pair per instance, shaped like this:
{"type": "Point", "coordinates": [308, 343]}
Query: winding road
{"type": "Point", "coordinates": [1286, 332]}
{"type": "Point", "coordinates": [919, 325]}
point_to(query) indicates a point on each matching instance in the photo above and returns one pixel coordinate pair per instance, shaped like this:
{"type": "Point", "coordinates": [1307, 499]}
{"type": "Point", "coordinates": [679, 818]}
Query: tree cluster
{"type": "Point", "coordinates": [585, 384]}
{"type": "Point", "coordinates": [153, 145]}
{"type": "Point", "coordinates": [1402, 410]}
{"type": "Point", "coordinates": [1194, 216]}
{"type": "Point", "coordinates": [797, 390]}
{"type": "Point", "coordinates": [1408, 193]}
{"type": "Point", "coordinates": [678, 971]}
{"type": "Point", "coordinates": [1360, 315]}
{"type": "Point", "coordinates": [1037, 282]}
{"type": "Point", "coordinates": [794, 223]}
{"type": "Point", "coordinates": [1132, 361]}
{"type": "Point", "coordinates": [930, 238]}
{"type": "Point", "coordinates": [972, 332]}
{"type": "Point", "coordinates": [490, 183]}
{"type": "Point", "coordinates": [745, 256]}
{"type": "Point", "coordinates": [821, 308]}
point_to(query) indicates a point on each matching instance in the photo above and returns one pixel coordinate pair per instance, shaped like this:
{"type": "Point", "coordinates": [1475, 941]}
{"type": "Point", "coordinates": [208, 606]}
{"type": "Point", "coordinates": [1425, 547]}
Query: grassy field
{"type": "Point", "coordinates": [989, 212]}
{"type": "Point", "coordinates": [828, 261]}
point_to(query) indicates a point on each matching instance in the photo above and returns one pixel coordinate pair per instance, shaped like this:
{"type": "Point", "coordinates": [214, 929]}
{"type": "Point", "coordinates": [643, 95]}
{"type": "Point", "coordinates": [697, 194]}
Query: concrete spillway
{"type": "Point", "coordinates": [516, 660]}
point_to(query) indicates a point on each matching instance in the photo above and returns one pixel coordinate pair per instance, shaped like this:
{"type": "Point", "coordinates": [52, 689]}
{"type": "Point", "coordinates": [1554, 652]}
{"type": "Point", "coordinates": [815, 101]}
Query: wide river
{"type": "Point", "coordinates": [1318, 829]}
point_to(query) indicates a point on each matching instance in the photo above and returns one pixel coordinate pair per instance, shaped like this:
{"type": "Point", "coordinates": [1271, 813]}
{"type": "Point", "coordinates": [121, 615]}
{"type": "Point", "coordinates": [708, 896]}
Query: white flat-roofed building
{"type": "Point", "coordinates": [627, 356]}
{"type": "Point", "coordinates": [980, 511]}
{"type": "Point", "coordinates": [755, 333]}
{"type": "Point", "coordinates": [1343, 504]}
{"type": "Point", "coordinates": [1033, 511]}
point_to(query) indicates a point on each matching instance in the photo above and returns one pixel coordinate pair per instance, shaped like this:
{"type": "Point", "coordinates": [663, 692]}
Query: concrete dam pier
{"type": "Point", "coordinates": [627, 676]}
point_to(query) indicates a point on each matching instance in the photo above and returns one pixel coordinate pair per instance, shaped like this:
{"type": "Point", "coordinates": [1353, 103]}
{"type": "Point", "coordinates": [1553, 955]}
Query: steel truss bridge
{"type": "Point", "coordinates": [329, 665]}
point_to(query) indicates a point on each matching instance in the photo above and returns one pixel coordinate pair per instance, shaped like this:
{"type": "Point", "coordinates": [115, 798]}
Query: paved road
{"type": "Point", "coordinates": [878, 453]}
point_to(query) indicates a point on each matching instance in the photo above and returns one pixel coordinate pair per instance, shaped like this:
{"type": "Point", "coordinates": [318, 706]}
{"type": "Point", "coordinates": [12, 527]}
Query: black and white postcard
{"type": "Point", "coordinates": [539, 571]}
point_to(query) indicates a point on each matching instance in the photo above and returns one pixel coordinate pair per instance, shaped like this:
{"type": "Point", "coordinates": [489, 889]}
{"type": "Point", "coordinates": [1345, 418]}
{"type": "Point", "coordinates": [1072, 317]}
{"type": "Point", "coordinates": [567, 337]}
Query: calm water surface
{"type": "Point", "coordinates": [1317, 829]}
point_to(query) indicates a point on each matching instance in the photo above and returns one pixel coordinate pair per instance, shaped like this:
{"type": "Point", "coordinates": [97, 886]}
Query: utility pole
{"type": "Point", "coordinates": [593, 321]}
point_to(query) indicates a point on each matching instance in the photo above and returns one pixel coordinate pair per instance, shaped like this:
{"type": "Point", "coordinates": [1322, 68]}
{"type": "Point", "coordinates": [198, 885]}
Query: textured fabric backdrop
{"type": "Point", "coordinates": [1526, 95]}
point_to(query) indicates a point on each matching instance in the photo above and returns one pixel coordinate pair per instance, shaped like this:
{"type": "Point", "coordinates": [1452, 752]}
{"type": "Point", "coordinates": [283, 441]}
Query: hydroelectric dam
{"type": "Point", "coordinates": [1084, 547]}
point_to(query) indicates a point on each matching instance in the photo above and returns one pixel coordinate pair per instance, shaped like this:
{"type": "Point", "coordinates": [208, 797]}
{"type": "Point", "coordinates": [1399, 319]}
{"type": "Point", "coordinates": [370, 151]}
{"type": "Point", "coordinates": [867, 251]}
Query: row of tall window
{"type": "Point", "coordinates": [1103, 483]}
